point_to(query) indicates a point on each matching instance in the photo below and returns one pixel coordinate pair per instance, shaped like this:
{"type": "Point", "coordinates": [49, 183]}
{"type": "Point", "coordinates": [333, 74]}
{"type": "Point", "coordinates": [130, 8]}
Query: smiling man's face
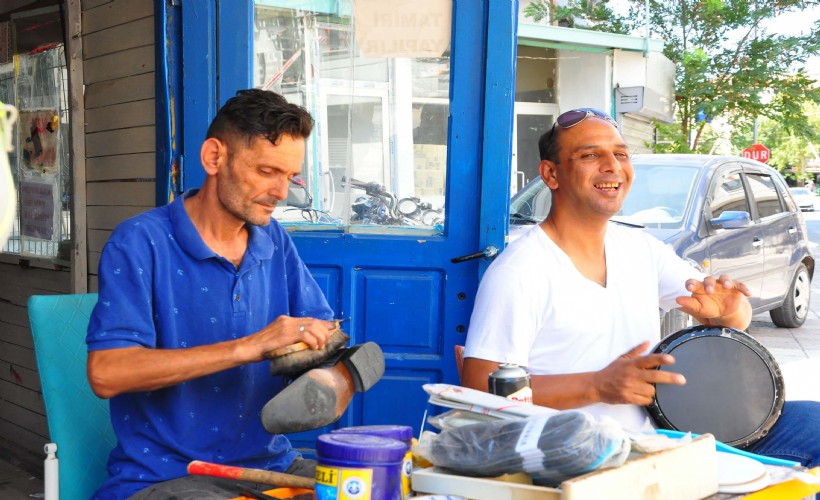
{"type": "Point", "coordinates": [594, 170]}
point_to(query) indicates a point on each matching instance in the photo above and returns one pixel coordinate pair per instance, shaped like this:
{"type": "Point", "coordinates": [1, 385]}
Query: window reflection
{"type": "Point", "coordinates": [377, 158]}
{"type": "Point", "coordinates": [765, 195]}
{"type": "Point", "coordinates": [728, 195]}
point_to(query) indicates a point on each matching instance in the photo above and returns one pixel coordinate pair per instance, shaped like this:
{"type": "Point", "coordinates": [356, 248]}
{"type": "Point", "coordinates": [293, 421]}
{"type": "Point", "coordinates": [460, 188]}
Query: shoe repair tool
{"type": "Point", "coordinates": [262, 476]}
{"type": "Point", "coordinates": [731, 449]}
{"type": "Point", "coordinates": [320, 396]}
{"type": "Point", "coordinates": [297, 357]}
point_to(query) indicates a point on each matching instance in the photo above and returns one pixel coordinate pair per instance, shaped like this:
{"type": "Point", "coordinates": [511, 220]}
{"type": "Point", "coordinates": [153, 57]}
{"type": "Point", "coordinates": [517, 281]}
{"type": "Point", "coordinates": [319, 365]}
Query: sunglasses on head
{"type": "Point", "coordinates": [574, 117]}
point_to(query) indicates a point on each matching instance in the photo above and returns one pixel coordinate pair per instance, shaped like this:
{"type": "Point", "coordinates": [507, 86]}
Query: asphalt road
{"type": "Point", "coordinates": [813, 224]}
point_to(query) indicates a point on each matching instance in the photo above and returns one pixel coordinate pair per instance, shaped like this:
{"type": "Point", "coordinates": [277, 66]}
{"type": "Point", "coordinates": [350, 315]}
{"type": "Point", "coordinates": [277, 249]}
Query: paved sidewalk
{"type": "Point", "coordinates": [797, 350]}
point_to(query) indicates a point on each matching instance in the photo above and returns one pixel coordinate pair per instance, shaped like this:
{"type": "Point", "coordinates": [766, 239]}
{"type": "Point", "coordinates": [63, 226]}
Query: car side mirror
{"type": "Point", "coordinates": [732, 219]}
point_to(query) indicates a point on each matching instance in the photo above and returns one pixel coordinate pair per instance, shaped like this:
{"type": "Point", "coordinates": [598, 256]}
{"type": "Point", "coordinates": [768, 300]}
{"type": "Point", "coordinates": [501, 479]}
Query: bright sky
{"type": "Point", "coordinates": [796, 23]}
{"type": "Point", "coordinates": [793, 23]}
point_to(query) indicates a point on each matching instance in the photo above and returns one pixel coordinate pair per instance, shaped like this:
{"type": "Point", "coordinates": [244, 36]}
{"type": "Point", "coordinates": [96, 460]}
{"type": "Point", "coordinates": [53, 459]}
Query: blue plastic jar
{"type": "Point", "coordinates": [401, 433]}
{"type": "Point", "coordinates": [354, 466]}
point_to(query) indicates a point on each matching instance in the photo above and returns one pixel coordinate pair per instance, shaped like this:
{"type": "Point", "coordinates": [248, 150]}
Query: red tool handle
{"type": "Point", "coordinates": [200, 468]}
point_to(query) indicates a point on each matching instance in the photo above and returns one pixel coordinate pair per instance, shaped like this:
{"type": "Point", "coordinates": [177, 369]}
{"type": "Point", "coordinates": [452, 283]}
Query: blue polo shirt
{"type": "Point", "coordinates": [161, 287]}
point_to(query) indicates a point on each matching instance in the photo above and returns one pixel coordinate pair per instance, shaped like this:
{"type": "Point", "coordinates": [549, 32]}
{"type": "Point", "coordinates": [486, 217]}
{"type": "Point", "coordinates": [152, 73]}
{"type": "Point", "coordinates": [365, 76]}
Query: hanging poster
{"type": "Point", "coordinates": [38, 141]}
{"type": "Point", "coordinates": [37, 210]}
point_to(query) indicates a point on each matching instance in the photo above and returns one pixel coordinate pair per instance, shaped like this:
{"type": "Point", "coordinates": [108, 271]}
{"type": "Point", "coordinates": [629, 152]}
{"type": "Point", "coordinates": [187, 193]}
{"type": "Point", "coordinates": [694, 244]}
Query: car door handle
{"type": "Point", "coordinates": [489, 252]}
{"type": "Point", "coordinates": [757, 243]}
{"type": "Point", "coordinates": [792, 230]}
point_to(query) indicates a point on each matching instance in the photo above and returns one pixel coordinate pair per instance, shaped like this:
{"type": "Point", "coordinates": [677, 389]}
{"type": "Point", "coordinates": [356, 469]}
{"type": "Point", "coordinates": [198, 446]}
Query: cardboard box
{"type": "Point", "coordinates": [686, 472]}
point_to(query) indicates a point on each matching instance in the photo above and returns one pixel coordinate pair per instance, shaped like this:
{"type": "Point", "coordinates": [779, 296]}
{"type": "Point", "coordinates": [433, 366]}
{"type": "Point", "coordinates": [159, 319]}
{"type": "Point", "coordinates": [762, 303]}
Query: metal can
{"type": "Point", "coordinates": [512, 382]}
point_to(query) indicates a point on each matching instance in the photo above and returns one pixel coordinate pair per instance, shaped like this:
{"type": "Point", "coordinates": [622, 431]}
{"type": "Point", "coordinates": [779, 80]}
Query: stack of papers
{"type": "Point", "coordinates": [463, 398]}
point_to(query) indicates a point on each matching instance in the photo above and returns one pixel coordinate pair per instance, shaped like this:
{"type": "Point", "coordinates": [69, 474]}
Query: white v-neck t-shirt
{"type": "Point", "coordinates": [534, 308]}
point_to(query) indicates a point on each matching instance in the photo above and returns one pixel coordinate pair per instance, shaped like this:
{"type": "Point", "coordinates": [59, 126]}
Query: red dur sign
{"type": "Point", "coordinates": [757, 152]}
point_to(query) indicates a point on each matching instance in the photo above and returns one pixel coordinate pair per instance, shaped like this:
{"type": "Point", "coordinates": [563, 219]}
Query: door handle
{"type": "Point", "coordinates": [757, 243]}
{"type": "Point", "coordinates": [489, 252]}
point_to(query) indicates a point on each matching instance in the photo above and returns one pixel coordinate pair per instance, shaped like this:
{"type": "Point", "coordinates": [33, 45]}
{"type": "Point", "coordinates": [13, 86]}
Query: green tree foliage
{"type": "Point", "coordinates": [727, 63]}
{"type": "Point", "coordinates": [792, 152]}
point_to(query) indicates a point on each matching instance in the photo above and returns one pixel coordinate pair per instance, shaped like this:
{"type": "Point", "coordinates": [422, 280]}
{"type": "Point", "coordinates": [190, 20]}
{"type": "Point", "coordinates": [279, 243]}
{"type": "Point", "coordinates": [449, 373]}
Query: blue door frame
{"type": "Point", "coordinates": [401, 292]}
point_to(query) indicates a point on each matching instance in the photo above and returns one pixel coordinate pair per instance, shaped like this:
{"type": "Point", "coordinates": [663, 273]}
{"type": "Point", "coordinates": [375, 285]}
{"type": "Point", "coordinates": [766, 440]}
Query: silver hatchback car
{"type": "Point", "coordinates": [723, 214]}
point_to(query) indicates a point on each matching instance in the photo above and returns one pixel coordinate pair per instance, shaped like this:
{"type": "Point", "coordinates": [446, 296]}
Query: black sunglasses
{"type": "Point", "coordinates": [574, 117]}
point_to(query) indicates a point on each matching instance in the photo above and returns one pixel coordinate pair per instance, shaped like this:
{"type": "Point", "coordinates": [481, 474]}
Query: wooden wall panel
{"type": "Point", "coordinates": [129, 166]}
{"type": "Point", "coordinates": [28, 445]}
{"type": "Point", "coordinates": [89, 4]}
{"type": "Point", "coordinates": [19, 355]}
{"type": "Point", "coordinates": [16, 335]}
{"type": "Point", "coordinates": [119, 65]}
{"type": "Point", "coordinates": [118, 142]}
{"type": "Point", "coordinates": [118, 116]}
{"type": "Point", "coordinates": [637, 132]}
{"type": "Point", "coordinates": [108, 217]}
{"type": "Point", "coordinates": [20, 396]}
{"type": "Point", "coordinates": [121, 193]}
{"type": "Point", "coordinates": [94, 264]}
{"type": "Point", "coordinates": [96, 241]}
{"type": "Point", "coordinates": [24, 282]}
{"type": "Point", "coordinates": [127, 36]}
{"type": "Point", "coordinates": [13, 373]}
{"type": "Point", "coordinates": [36, 421]}
{"type": "Point", "coordinates": [135, 88]}
{"type": "Point", "coordinates": [115, 13]}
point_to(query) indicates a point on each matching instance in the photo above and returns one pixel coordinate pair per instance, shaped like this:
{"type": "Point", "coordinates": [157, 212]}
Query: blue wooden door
{"type": "Point", "coordinates": [394, 280]}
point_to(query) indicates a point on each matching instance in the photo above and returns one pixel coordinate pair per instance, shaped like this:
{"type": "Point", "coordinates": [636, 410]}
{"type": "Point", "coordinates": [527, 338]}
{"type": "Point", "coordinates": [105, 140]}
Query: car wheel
{"type": "Point", "coordinates": [795, 307]}
{"type": "Point", "coordinates": [674, 321]}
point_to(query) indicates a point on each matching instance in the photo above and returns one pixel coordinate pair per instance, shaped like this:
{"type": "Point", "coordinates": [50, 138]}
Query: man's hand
{"type": "Point", "coordinates": [630, 378]}
{"type": "Point", "coordinates": [717, 301]}
{"type": "Point", "coordinates": [286, 330]}
{"type": "Point", "coordinates": [133, 369]}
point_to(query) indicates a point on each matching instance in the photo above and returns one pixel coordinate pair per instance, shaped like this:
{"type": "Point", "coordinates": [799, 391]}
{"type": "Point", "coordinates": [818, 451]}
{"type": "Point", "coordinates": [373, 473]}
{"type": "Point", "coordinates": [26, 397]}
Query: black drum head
{"type": "Point", "coordinates": [734, 388]}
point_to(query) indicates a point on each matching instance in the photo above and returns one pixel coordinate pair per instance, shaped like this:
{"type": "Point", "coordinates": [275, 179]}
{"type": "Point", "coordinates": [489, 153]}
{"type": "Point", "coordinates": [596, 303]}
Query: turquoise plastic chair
{"type": "Point", "coordinates": [78, 421]}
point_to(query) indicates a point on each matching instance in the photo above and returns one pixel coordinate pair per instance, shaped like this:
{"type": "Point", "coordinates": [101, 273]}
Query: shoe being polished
{"type": "Point", "coordinates": [320, 395]}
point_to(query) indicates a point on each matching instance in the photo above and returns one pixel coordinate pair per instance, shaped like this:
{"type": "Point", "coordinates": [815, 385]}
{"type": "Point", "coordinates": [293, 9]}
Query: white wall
{"type": "Point", "coordinates": [584, 80]}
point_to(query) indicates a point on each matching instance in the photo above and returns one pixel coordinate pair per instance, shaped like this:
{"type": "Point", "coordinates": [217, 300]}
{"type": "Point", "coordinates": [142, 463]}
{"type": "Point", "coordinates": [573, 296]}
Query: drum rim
{"type": "Point", "coordinates": [680, 337]}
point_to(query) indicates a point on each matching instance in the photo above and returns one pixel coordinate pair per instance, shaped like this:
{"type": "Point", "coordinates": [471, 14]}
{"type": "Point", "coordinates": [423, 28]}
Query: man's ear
{"type": "Point", "coordinates": [213, 155]}
{"type": "Point", "coordinates": [549, 173]}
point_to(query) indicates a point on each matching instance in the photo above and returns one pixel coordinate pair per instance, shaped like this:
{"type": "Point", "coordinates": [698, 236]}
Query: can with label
{"type": "Point", "coordinates": [401, 433]}
{"type": "Point", "coordinates": [358, 467]}
{"type": "Point", "coordinates": [512, 382]}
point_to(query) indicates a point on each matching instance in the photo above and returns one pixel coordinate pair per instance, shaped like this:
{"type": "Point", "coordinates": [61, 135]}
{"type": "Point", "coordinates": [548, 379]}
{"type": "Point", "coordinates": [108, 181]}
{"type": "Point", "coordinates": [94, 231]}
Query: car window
{"type": "Point", "coordinates": [790, 205]}
{"type": "Point", "coordinates": [532, 204]}
{"type": "Point", "coordinates": [659, 196]}
{"type": "Point", "coordinates": [764, 194]}
{"type": "Point", "coordinates": [727, 194]}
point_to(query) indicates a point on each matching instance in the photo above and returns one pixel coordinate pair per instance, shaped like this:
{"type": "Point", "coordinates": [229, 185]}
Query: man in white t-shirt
{"type": "Point", "coordinates": [575, 300]}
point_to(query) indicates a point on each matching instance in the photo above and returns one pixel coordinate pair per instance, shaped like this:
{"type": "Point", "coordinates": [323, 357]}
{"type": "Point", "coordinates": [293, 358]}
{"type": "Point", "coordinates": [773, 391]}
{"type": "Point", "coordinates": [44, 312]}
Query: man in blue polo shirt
{"type": "Point", "coordinates": [191, 297]}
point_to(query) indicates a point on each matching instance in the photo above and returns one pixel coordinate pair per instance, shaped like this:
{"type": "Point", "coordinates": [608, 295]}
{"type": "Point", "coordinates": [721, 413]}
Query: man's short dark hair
{"type": "Point", "coordinates": [548, 145]}
{"type": "Point", "coordinates": [255, 112]}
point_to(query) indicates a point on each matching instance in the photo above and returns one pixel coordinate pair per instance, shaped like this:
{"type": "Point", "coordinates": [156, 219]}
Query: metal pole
{"type": "Point", "coordinates": [754, 132]}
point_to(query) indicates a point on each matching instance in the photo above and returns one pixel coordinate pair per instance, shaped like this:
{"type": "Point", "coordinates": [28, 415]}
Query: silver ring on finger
{"type": "Point", "coordinates": [301, 328]}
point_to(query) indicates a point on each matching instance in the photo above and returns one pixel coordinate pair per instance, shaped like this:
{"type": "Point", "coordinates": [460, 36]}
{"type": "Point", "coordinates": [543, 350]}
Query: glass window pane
{"type": "Point", "coordinates": [536, 74]}
{"type": "Point", "coordinates": [376, 161]}
{"type": "Point", "coordinates": [765, 195]}
{"type": "Point", "coordinates": [728, 194]}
